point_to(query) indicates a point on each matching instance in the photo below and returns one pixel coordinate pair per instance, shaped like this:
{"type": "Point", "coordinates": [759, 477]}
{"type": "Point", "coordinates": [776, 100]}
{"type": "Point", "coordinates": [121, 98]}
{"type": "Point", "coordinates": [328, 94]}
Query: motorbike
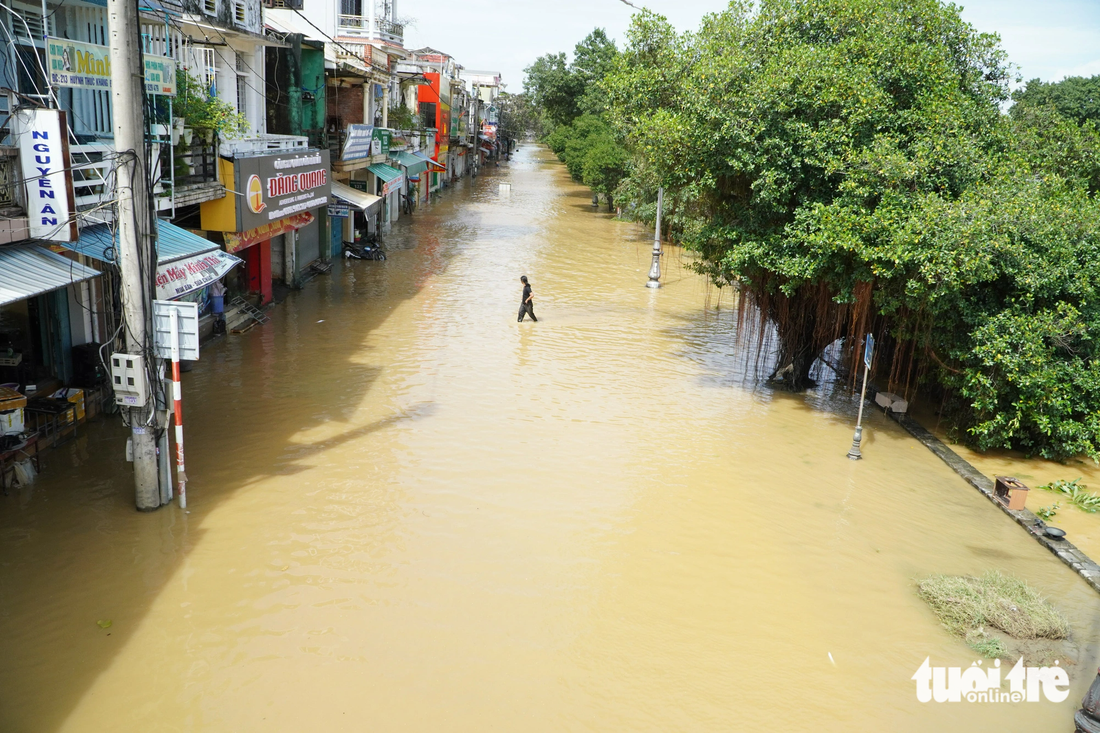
{"type": "Point", "coordinates": [364, 250]}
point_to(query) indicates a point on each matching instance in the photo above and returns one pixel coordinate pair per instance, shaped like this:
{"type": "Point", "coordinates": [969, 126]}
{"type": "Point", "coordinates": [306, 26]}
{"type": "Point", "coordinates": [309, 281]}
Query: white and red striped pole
{"type": "Point", "coordinates": [177, 406]}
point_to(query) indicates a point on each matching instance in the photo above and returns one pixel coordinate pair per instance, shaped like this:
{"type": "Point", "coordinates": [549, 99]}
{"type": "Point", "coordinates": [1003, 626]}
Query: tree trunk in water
{"type": "Point", "coordinates": [797, 354]}
{"type": "Point", "coordinates": [804, 322]}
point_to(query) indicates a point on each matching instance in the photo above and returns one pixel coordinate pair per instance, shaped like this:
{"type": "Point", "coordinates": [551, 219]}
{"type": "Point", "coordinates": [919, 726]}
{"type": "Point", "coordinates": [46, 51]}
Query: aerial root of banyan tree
{"type": "Point", "coordinates": [809, 319]}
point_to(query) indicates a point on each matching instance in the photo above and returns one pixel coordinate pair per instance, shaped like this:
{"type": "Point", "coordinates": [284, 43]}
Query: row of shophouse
{"type": "Point", "coordinates": [346, 132]}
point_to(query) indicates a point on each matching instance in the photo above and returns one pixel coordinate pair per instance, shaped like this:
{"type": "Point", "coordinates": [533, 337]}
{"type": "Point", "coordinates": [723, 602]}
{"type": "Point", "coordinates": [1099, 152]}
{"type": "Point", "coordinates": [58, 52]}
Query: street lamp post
{"type": "Point", "coordinates": [868, 350]}
{"type": "Point", "coordinates": [655, 268]}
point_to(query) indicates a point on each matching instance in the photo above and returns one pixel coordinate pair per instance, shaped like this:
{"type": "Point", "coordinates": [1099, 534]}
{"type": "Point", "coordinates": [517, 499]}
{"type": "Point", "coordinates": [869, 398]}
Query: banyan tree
{"type": "Point", "coordinates": [848, 166]}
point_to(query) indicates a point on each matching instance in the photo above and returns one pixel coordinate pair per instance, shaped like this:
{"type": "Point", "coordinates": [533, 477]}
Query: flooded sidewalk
{"type": "Point", "coordinates": [409, 512]}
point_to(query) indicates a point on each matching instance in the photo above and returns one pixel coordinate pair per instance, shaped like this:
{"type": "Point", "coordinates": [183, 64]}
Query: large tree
{"type": "Point", "coordinates": [846, 164]}
{"type": "Point", "coordinates": [553, 88]}
{"type": "Point", "coordinates": [573, 99]}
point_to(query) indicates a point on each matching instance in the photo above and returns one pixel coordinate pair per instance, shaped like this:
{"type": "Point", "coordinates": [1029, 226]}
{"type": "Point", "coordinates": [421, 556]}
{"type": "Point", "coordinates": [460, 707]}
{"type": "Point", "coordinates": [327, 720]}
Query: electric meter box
{"type": "Point", "coordinates": [128, 379]}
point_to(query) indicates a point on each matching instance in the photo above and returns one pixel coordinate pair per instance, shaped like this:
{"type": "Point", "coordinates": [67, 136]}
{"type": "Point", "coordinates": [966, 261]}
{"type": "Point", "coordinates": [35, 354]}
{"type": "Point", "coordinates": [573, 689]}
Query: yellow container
{"type": "Point", "coordinates": [11, 400]}
{"type": "Point", "coordinates": [76, 396]}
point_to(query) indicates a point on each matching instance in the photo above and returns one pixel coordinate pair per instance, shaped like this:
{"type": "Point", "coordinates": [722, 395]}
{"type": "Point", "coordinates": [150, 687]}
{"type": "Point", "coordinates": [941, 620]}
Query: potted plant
{"type": "Point", "coordinates": [204, 113]}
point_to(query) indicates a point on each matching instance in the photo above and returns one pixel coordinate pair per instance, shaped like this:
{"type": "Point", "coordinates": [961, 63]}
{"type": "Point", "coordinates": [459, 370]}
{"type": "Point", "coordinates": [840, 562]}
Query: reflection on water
{"type": "Point", "coordinates": [409, 512]}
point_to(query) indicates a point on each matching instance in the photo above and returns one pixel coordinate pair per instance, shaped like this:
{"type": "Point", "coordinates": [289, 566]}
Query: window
{"type": "Point", "coordinates": [210, 6]}
{"type": "Point", "coordinates": [238, 12]}
{"type": "Point", "coordinates": [27, 23]}
{"type": "Point", "coordinates": [199, 61]}
{"type": "Point", "coordinates": [351, 7]}
{"type": "Point", "coordinates": [31, 61]}
{"type": "Point", "coordinates": [427, 114]}
{"type": "Point", "coordinates": [242, 85]}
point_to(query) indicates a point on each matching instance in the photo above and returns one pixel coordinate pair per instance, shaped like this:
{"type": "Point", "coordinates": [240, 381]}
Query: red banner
{"type": "Point", "coordinates": [235, 241]}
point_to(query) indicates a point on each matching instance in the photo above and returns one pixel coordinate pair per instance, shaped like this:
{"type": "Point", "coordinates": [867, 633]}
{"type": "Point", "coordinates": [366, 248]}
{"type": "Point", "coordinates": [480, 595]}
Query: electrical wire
{"type": "Point", "coordinates": [41, 67]}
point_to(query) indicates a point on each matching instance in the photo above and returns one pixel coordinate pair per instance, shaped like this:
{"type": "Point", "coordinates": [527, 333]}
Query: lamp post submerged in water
{"type": "Point", "coordinates": [655, 268]}
{"type": "Point", "coordinates": [868, 350]}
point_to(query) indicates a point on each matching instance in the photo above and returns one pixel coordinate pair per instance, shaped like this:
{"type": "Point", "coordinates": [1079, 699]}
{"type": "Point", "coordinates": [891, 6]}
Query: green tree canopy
{"type": "Point", "coordinates": [1074, 97]}
{"type": "Point", "coordinates": [572, 99]}
{"type": "Point", "coordinates": [847, 165]}
{"type": "Point", "coordinates": [553, 88]}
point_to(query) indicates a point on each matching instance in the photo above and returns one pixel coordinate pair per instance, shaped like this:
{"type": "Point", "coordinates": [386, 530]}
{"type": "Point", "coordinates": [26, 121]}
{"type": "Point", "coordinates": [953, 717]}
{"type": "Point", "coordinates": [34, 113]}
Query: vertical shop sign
{"type": "Point", "coordinates": [44, 152]}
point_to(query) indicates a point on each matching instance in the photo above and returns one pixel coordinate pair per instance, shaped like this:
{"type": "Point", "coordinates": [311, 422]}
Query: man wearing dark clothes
{"type": "Point", "coordinates": [526, 302]}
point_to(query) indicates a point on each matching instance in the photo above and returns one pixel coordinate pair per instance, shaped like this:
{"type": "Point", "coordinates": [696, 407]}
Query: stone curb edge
{"type": "Point", "coordinates": [1065, 550]}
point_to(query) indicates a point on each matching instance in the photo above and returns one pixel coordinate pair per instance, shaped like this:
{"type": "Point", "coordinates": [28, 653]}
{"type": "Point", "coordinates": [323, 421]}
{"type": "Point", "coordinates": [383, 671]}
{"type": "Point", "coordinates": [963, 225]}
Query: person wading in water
{"type": "Point", "coordinates": [526, 302]}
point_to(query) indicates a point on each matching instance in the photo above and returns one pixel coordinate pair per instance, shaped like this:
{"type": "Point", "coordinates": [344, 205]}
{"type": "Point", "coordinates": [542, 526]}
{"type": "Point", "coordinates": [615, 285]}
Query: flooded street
{"type": "Point", "coordinates": [409, 512]}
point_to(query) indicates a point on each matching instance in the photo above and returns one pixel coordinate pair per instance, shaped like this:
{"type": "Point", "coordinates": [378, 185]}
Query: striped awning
{"type": "Point", "coordinates": [173, 243]}
{"type": "Point", "coordinates": [28, 270]}
{"type": "Point", "coordinates": [385, 172]}
{"type": "Point", "coordinates": [185, 261]}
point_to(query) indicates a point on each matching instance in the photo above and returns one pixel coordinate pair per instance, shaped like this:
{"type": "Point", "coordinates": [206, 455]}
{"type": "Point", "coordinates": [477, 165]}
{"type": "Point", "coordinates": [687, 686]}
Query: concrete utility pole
{"type": "Point", "coordinates": [655, 269]}
{"type": "Point", "coordinates": [136, 258]}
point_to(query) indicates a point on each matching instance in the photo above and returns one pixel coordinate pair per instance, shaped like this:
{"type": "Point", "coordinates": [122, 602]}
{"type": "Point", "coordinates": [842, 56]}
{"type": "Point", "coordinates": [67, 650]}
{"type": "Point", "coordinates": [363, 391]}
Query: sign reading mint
{"type": "Point", "coordinates": [88, 66]}
{"type": "Point", "coordinates": [365, 141]}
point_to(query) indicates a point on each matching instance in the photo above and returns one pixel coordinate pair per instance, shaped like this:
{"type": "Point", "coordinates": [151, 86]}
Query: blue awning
{"type": "Point", "coordinates": [173, 243]}
{"type": "Point", "coordinates": [431, 163]}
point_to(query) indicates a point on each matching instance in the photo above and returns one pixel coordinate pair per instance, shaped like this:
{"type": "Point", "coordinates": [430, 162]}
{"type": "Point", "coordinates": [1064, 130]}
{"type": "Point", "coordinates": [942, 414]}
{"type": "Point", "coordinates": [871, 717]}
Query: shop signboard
{"type": "Point", "coordinates": [176, 279]}
{"type": "Point", "coordinates": [236, 241]}
{"type": "Point", "coordinates": [340, 211]}
{"type": "Point", "coordinates": [358, 143]}
{"type": "Point", "coordinates": [365, 141]}
{"type": "Point", "coordinates": [394, 185]}
{"type": "Point", "coordinates": [44, 153]}
{"type": "Point", "coordinates": [88, 66]}
{"type": "Point", "coordinates": [383, 137]}
{"type": "Point", "coordinates": [278, 186]}
{"type": "Point", "coordinates": [160, 75]}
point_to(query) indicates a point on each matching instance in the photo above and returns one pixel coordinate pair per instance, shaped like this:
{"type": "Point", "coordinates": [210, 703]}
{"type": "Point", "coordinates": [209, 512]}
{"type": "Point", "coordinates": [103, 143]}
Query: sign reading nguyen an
{"type": "Point", "coordinates": [44, 152]}
{"type": "Point", "coordinates": [88, 66]}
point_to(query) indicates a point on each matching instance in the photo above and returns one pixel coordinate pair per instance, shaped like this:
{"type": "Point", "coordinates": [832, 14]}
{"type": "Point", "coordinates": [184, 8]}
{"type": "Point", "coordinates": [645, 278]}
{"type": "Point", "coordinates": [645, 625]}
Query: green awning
{"type": "Point", "coordinates": [385, 172]}
{"type": "Point", "coordinates": [414, 166]}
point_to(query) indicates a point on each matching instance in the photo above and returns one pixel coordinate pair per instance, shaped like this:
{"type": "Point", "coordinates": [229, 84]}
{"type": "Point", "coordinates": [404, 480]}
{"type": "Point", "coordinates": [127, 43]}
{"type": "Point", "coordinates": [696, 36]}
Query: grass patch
{"type": "Point", "coordinates": [968, 606]}
{"type": "Point", "coordinates": [1074, 492]}
{"type": "Point", "coordinates": [988, 646]}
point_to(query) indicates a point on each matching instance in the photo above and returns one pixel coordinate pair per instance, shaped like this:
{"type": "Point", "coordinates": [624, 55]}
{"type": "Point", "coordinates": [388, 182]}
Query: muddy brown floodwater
{"type": "Point", "coordinates": [409, 512]}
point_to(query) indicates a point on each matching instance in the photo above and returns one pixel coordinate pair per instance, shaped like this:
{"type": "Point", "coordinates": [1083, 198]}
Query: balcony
{"type": "Point", "coordinates": [185, 174]}
{"type": "Point", "coordinates": [93, 181]}
{"type": "Point", "coordinates": [192, 172]}
{"type": "Point", "coordinates": [385, 30]}
{"type": "Point", "coordinates": [355, 52]}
